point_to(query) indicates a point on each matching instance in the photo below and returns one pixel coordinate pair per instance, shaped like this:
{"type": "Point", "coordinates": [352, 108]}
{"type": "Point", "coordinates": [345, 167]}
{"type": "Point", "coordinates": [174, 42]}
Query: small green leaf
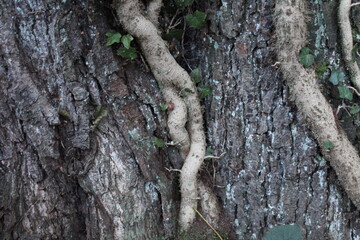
{"type": "Point", "coordinates": [336, 77]}
{"type": "Point", "coordinates": [173, 34]}
{"type": "Point", "coordinates": [286, 232]}
{"type": "Point", "coordinates": [321, 68]}
{"type": "Point", "coordinates": [195, 74]}
{"type": "Point", "coordinates": [355, 109]}
{"type": "Point", "coordinates": [204, 91]}
{"type": "Point", "coordinates": [328, 144]}
{"type": "Point", "coordinates": [305, 50]}
{"type": "Point", "coordinates": [188, 90]}
{"type": "Point", "coordinates": [306, 57]}
{"type": "Point", "coordinates": [345, 93]}
{"type": "Point", "coordinates": [164, 107]}
{"type": "Point", "coordinates": [183, 3]}
{"type": "Point", "coordinates": [113, 37]}
{"type": "Point", "coordinates": [128, 53]}
{"type": "Point", "coordinates": [209, 151]}
{"type": "Point", "coordinates": [126, 40]}
{"type": "Point", "coordinates": [196, 20]}
{"type": "Point", "coordinates": [185, 91]}
{"type": "Point", "coordinates": [159, 142]}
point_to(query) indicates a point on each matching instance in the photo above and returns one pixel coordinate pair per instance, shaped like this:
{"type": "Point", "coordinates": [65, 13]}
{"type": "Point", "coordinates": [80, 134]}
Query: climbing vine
{"type": "Point", "coordinates": [185, 120]}
{"type": "Point", "coordinates": [291, 32]}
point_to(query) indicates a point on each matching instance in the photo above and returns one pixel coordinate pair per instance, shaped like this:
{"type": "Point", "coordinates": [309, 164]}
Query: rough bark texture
{"type": "Point", "coordinates": [58, 180]}
{"type": "Point", "coordinates": [272, 173]}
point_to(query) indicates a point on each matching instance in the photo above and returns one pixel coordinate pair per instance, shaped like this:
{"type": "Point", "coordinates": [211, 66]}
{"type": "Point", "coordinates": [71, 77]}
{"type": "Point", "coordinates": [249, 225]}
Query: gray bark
{"type": "Point", "coordinates": [59, 180]}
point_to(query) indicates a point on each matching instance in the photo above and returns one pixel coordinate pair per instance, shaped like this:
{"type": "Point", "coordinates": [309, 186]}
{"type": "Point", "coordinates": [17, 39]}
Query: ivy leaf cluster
{"type": "Point", "coordinates": [337, 79]}
{"type": "Point", "coordinates": [126, 51]}
{"type": "Point", "coordinates": [196, 20]}
{"type": "Point", "coordinates": [203, 90]}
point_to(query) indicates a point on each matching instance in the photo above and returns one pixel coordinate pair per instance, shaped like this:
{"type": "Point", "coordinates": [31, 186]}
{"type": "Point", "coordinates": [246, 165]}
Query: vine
{"type": "Point", "coordinates": [185, 121]}
{"type": "Point", "coordinates": [347, 41]}
{"type": "Point", "coordinates": [291, 35]}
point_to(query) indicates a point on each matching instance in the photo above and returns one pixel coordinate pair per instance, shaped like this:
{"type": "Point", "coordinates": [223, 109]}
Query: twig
{"type": "Point", "coordinates": [173, 170]}
{"type": "Point", "coordinates": [173, 18]}
{"type": "Point", "coordinates": [343, 106]}
{"type": "Point", "coordinates": [175, 24]}
{"type": "Point", "coordinates": [354, 89]}
{"type": "Point", "coordinates": [27, 212]}
{"type": "Point", "coordinates": [214, 157]}
{"type": "Point", "coordinates": [355, 4]}
{"type": "Point", "coordinates": [212, 228]}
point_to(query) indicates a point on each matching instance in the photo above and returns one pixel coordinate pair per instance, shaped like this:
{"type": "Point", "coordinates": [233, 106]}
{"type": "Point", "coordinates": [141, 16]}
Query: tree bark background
{"type": "Point", "coordinates": [59, 180]}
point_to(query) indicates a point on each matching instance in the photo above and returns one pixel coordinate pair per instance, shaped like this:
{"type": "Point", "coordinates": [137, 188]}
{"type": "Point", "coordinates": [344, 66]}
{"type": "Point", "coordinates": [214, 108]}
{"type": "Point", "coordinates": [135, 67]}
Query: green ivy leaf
{"type": "Point", "coordinates": [355, 109]}
{"type": "Point", "coordinates": [286, 232]}
{"type": "Point", "coordinates": [195, 74]}
{"type": "Point", "coordinates": [128, 53]}
{"type": "Point", "coordinates": [183, 3]}
{"type": "Point", "coordinates": [336, 77]}
{"type": "Point", "coordinates": [204, 91]}
{"type": "Point", "coordinates": [328, 144]}
{"type": "Point", "coordinates": [196, 20]}
{"type": "Point", "coordinates": [321, 68]}
{"type": "Point", "coordinates": [126, 40]}
{"type": "Point", "coordinates": [209, 151]}
{"type": "Point", "coordinates": [164, 107]}
{"type": "Point", "coordinates": [113, 37]}
{"type": "Point", "coordinates": [173, 34]}
{"type": "Point", "coordinates": [188, 90]}
{"type": "Point", "coordinates": [159, 142]}
{"type": "Point", "coordinates": [306, 57]}
{"type": "Point", "coordinates": [345, 93]}
{"type": "Point", "coordinates": [185, 91]}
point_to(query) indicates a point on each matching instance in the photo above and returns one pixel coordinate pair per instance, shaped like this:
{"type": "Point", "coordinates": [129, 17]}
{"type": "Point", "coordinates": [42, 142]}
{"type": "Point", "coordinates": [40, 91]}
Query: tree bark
{"type": "Point", "coordinates": [60, 180]}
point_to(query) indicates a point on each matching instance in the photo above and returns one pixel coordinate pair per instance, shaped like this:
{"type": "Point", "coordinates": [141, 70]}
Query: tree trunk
{"type": "Point", "coordinates": [64, 177]}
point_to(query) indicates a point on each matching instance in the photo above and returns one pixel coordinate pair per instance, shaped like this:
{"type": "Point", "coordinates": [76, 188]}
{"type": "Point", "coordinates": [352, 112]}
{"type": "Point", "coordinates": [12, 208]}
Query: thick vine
{"type": "Point", "coordinates": [172, 79]}
{"type": "Point", "coordinates": [347, 41]}
{"type": "Point", "coordinates": [291, 35]}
